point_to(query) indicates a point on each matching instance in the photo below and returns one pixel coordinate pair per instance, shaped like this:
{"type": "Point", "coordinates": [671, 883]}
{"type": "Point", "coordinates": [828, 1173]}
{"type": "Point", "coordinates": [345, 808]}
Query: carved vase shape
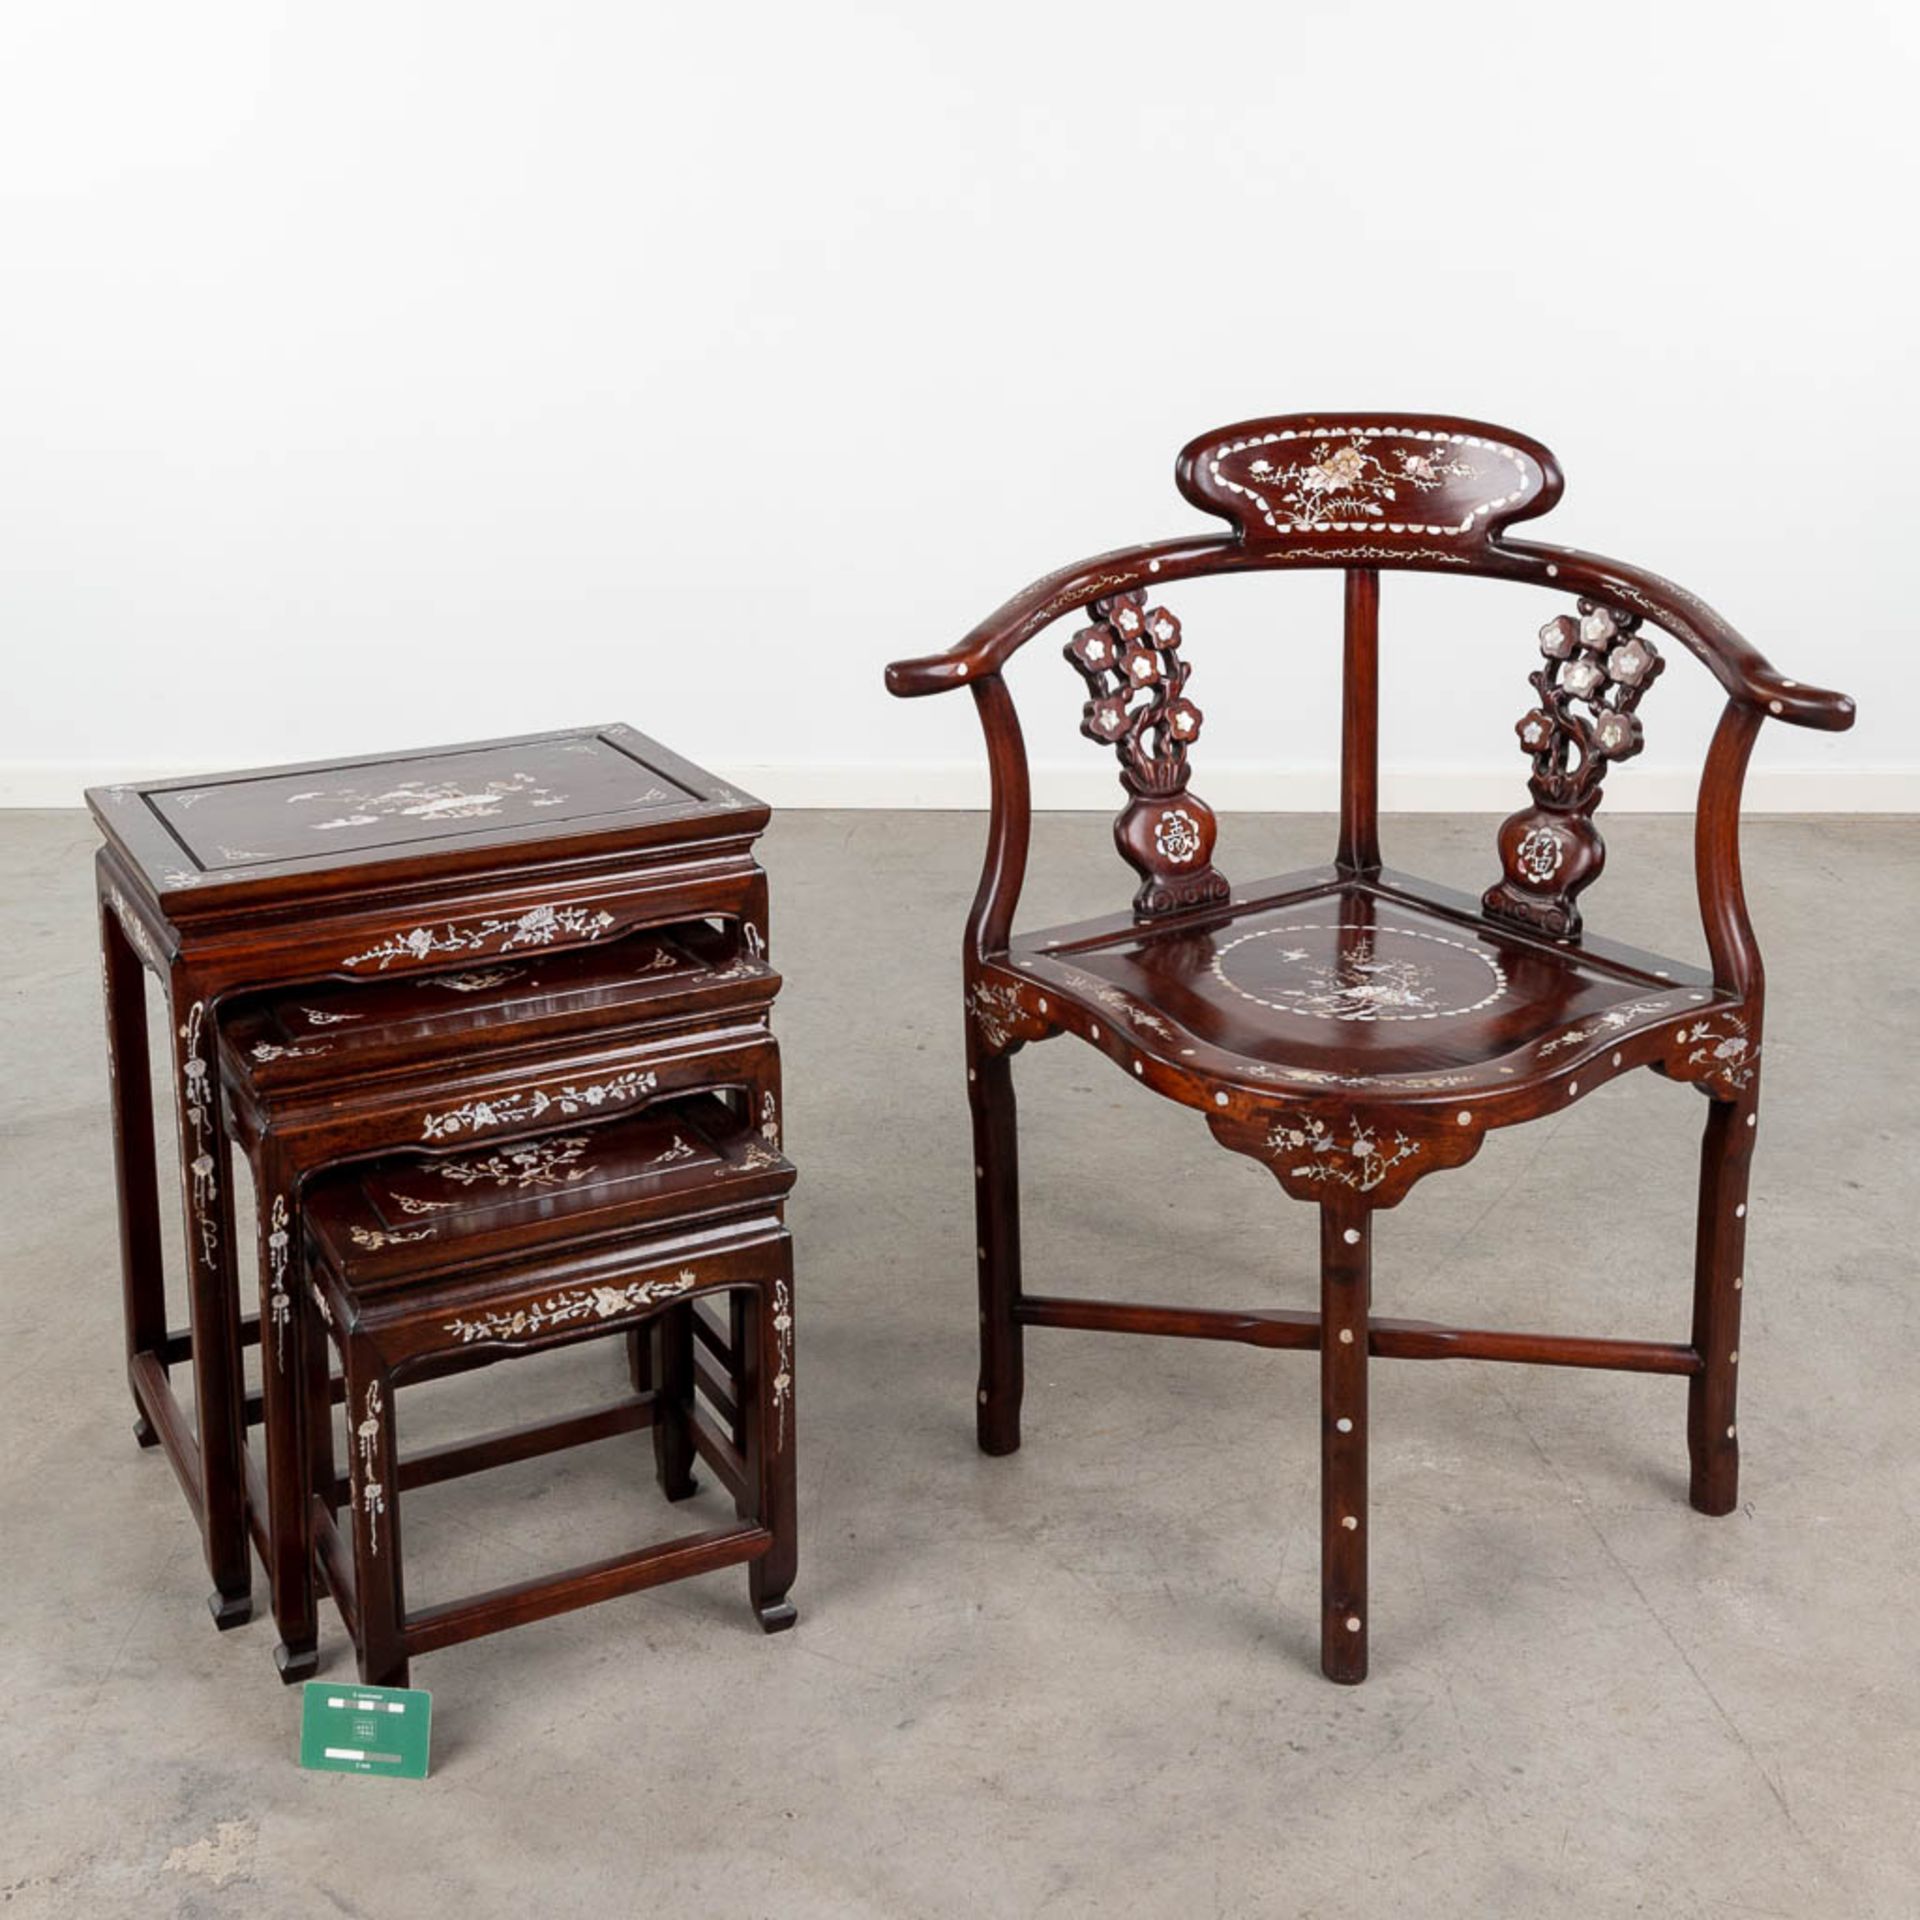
{"type": "Point", "coordinates": [1168, 840]}
{"type": "Point", "coordinates": [1548, 855]}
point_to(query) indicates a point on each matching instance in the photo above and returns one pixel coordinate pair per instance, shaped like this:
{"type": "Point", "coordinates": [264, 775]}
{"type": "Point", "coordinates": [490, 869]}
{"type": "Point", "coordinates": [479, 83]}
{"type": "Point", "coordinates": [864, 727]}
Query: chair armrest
{"type": "Point", "coordinates": [1003, 633]}
{"type": "Point", "coordinates": [1746, 673]}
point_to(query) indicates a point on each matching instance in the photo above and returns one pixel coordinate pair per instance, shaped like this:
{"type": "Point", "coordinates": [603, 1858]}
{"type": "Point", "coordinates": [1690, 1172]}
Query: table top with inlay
{"type": "Point", "coordinates": [266, 834]}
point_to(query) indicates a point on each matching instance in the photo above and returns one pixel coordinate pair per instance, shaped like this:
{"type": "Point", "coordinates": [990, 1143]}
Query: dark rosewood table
{"type": "Point", "coordinates": [355, 870]}
{"type": "Point", "coordinates": [420, 1263]}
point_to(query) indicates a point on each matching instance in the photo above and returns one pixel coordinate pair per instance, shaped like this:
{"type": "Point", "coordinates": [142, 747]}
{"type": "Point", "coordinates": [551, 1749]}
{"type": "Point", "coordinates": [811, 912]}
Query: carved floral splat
{"type": "Point", "coordinates": [1593, 672]}
{"type": "Point", "coordinates": [1131, 662]}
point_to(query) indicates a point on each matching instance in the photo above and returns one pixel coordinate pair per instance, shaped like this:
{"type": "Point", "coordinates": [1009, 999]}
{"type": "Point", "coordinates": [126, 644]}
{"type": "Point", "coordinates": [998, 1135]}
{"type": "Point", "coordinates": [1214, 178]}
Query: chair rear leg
{"type": "Point", "coordinates": [996, 1189]}
{"type": "Point", "coordinates": [1346, 1268]}
{"type": "Point", "coordinates": [1713, 1445]}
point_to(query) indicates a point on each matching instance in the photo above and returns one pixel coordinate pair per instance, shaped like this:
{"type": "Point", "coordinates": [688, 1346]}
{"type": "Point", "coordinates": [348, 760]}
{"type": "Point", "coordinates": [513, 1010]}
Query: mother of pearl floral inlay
{"type": "Point", "coordinates": [1721, 1045]}
{"type": "Point", "coordinates": [135, 928]}
{"type": "Point", "coordinates": [509, 1109]}
{"type": "Point", "coordinates": [196, 1083]}
{"type": "Point", "coordinates": [783, 1361]}
{"type": "Point", "coordinates": [268, 1050]}
{"type": "Point", "coordinates": [1355, 1159]}
{"type": "Point", "coordinates": [279, 1300]}
{"type": "Point", "coordinates": [537, 927]}
{"type": "Point", "coordinates": [1365, 479]}
{"type": "Point", "coordinates": [571, 1304]}
{"type": "Point", "coordinates": [1610, 1022]}
{"type": "Point", "coordinates": [996, 1012]}
{"type": "Point", "coordinates": [540, 1163]}
{"type": "Point", "coordinates": [426, 800]}
{"type": "Point", "coordinates": [370, 1496]}
{"type": "Point", "coordinates": [372, 1239]}
{"type": "Point", "coordinates": [1358, 979]}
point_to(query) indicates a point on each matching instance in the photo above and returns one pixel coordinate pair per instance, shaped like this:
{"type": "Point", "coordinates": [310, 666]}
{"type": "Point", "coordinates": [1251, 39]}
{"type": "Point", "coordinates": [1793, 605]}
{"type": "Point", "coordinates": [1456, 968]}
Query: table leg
{"type": "Point", "coordinates": [284, 1423]}
{"type": "Point", "coordinates": [214, 1305]}
{"type": "Point", "coordinates": [378, 1590]}
{"type": "Point", "coordinates": [770, 1449]}
{"type": "Point", "coordinates": [136, 1188]}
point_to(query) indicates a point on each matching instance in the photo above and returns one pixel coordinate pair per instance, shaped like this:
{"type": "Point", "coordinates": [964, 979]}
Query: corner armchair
{"type": "Point", "coordinates": [1352, 1028]}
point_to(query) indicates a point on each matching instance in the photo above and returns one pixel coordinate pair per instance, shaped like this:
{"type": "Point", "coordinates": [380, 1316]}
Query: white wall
{"type": "Point", "coordinates": [373, 375]}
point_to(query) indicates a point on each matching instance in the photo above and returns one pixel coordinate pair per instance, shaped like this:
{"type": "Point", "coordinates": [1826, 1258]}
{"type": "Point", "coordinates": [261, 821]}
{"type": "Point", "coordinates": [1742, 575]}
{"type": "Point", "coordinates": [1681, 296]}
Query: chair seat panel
{"type": "Point", "coordinates": [1342, 985]}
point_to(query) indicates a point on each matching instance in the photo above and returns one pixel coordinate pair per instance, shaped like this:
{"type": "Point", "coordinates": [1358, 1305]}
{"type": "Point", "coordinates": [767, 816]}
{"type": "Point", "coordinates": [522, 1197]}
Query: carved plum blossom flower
{"type": "Point", "coordinates": [1182, 720]}
{"type": "Point", "coordinates": [1164, 628]}
{"type": "Point", "coordinates": [1535, 730]}
{"type": "Point", "coordinates": [1092, 648]}
{"type": "Point", "coordinates": [1107, 718]}
{"type": "Point", "coordinates": [1598, 629]}
{"type": "Point", "coordinates": [1127, 619]}
{"type": "Point", "coordinates": [1559, 637]}
{"type": "Point", "coordinates": [1630, 662]}
{"type": "Point", "coordinates": [1581, 676]}
{"type": "Point", "coordinates": [1618, 735]}
{"type": "Point", "coordinates": [1141, 665]}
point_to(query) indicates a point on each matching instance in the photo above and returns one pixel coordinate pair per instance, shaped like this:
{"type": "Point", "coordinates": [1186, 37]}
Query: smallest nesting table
{"type": "Point", "coordinates": [418, 1265]}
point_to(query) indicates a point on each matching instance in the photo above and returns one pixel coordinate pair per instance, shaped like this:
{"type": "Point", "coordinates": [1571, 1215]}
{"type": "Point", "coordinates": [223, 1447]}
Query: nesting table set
{"type": "Point", "coordinates": [491, 1025]}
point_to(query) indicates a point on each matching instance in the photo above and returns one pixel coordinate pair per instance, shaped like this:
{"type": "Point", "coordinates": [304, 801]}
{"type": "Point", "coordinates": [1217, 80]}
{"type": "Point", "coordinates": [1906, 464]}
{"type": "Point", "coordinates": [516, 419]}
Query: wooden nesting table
{"type": "Point", "coordinates": [359, 870]}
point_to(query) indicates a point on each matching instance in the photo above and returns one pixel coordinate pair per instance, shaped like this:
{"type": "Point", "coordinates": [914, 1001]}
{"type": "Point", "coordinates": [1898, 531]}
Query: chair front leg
{"type": "Point", "coordinates": [996, 1189]}
{"type": "Point", "coordinates": [1713, 1444]}
{"type": "Point", "coordinates": [1346, 1270]}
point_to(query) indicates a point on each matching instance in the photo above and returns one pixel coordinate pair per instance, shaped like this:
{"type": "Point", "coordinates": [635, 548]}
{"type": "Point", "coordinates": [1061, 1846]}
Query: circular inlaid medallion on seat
{"type": "Point", "coordinates": [1355, 971]}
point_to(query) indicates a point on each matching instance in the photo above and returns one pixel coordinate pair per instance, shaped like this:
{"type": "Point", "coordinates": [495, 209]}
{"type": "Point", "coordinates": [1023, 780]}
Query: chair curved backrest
{"type": "Point", "coordinates": [1366, 492]}
{"type": "Point", "coordinates": [1310, 482]}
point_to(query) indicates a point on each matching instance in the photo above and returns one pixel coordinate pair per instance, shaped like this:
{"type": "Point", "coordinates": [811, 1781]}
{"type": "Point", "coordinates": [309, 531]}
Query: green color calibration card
{"type": "Point", "coordinates": [353, 1729]}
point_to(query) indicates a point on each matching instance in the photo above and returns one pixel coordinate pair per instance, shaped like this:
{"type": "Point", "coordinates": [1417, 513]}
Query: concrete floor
{"type": "Point", "coordinates": [1082, 1679]}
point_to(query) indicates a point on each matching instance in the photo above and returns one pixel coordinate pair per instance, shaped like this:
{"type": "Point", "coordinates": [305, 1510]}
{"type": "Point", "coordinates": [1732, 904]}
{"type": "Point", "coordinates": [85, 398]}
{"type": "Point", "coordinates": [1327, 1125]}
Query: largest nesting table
{"type": "Point", "coordinates": [353, 869]}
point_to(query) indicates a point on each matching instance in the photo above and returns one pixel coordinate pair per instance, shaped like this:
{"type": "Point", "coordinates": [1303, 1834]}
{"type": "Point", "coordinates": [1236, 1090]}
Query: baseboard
{"type": "Point", "coordinates": [1229, 786]}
